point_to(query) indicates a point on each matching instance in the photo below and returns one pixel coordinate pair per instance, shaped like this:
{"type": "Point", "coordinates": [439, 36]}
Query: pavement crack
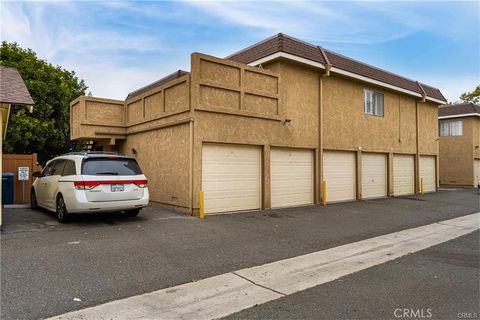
{"type": "Point", "coordinates": [452, 225]}
{"type": "Point", "coordinates": [259, 285]}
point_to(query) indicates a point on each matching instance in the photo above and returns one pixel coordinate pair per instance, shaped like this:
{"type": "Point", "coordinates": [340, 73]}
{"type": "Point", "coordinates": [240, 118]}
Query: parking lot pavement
{"type": "Point", "coordinates": [441, 282]}
{"type": "Point", "coordinates": [47, 267]}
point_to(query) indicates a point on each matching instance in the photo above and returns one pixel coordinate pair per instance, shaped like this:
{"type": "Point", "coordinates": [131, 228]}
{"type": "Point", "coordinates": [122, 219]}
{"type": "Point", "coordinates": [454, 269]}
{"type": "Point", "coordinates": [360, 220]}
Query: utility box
{"type": "Point", "coordinates": [7, 188]}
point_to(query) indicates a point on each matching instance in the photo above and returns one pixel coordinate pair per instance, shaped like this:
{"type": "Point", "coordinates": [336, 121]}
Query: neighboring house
{"type": "Point", "coordinates": [264, 127]}
{"type": "Point", "coordinates": [13, 92]}
{"type": "Point", "coordinates": [459, 130]}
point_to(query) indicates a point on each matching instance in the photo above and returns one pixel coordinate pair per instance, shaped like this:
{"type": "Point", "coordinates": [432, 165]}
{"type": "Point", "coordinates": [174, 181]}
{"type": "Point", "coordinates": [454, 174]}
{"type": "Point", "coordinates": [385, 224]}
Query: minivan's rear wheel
{"type": "Point", "coordinates": [33, 200]}
{"type": "Point", "coordinates": [62, 213]}
{"type": "Point", "coordinates": [132, 213]}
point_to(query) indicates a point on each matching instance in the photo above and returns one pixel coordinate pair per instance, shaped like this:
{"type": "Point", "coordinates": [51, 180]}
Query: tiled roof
{"type": "Point", "coordinates": [287, 44]}
{"type": "Point", "coordinates": [12, 87]}
{"type": "Point", "coordinates": [177, 74]}
{"type": "Point", "coordinates": [458, 109]}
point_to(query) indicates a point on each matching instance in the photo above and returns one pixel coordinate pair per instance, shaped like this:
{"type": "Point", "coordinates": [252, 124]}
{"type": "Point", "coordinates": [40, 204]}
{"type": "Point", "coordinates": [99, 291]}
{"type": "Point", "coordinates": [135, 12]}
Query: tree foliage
{"type": "Point", "coordinates": [473, 96]}
{"type": "Point", "coordinates": [46, 131]}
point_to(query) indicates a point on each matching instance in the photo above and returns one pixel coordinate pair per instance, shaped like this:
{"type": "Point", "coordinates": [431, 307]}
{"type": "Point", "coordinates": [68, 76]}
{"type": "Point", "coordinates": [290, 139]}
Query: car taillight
{"type": "Point", "coordinates": [85, 185]}
{"type": "Point", "coordinates": [88, 185]}
{"type": "Point", "coordinates": [141, 183]}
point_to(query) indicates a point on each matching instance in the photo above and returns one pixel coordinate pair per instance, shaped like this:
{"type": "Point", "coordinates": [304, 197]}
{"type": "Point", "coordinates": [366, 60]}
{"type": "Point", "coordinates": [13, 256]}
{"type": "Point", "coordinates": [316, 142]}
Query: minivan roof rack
{"type": "Point", "coordinates": [87, 152]}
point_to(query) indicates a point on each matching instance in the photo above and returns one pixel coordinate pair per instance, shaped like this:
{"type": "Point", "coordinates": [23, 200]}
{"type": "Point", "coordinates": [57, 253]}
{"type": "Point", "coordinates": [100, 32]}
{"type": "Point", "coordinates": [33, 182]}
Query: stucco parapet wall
{"type": "Point", "coordinates": [96, 99]}
{"type": "Point", "coordinates": [225, 86]}
{"type": "Point", "coordinates": [163, 101]}
{"type": "Point", "coordinates": [87, 114]}
{"type": "Point", "coordinates": [93, 117]}
{"type": "Point", "coordinates": [157, 89]}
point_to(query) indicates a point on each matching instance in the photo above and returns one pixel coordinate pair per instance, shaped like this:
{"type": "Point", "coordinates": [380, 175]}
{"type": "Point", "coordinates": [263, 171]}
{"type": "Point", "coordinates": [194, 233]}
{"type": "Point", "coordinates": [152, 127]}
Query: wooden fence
{"type": "Point", "coordinates": [11, 162]}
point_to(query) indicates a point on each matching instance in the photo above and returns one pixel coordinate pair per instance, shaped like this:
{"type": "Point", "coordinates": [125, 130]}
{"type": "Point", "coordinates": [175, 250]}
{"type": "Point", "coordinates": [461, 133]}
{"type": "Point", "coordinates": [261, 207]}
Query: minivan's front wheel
{"type": "Point", "coordinates": [33, 200]}
{"type": "Point", "coordinates": [62, 213]}
{"type": "Point", "coordinates": [132, 213]}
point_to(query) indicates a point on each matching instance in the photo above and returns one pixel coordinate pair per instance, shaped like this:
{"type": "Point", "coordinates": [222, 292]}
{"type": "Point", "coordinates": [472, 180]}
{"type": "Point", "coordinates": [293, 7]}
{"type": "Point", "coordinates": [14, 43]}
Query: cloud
{"type": "Point", "coordinates": [101, 56]}
{"type": "Point", "coordinates": [345, 22]}
{"type": "Point", "coordinates": [452, 86]}
{"type": "Point", "coordinates": [110, 81]}
{"type": "Point", "coordinates": [15, 23]}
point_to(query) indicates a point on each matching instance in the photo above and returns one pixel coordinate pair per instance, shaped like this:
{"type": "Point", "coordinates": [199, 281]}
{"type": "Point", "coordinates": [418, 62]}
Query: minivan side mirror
{"type": "Point", "coordinates": [37, 174]}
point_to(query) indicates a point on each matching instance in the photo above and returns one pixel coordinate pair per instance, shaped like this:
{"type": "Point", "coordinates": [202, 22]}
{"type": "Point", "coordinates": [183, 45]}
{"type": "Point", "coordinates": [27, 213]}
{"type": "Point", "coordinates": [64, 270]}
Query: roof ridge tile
{"type": "Point", "coordinates": [374, 67]}
{"type": "Point", "coordinates": [263, 49]}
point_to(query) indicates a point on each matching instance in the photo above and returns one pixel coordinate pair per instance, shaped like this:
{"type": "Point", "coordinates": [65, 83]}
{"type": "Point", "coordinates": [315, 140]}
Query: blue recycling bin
{"type": "Point", "coordinates": [7, 188]}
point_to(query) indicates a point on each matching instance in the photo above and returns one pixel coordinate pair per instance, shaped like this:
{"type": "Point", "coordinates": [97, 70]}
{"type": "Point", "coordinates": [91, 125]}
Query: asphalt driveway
{"type": "Point", "coordinates": [49, 268]}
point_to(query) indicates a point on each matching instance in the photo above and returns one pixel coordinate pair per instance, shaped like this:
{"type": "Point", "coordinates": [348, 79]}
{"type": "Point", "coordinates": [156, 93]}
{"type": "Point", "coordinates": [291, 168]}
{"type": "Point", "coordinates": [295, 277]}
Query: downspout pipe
{"type": "Point", "coordinates": [417, 157]}
{"type": "Point", "coordinates": [320, 183]}
{"type": "Point", "coordinates": [327, 63]}
{"type": "Point", "coordinates": [424, 95]}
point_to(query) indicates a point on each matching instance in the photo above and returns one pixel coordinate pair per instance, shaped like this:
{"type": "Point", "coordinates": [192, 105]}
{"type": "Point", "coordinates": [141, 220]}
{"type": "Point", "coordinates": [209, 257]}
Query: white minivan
{"type": "Point", "coordinates": [80, 182]}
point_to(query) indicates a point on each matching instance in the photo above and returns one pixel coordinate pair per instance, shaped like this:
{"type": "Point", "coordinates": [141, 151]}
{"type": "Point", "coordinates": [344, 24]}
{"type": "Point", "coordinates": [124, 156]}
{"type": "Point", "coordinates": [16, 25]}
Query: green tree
{"type": "Point", "coordinates": [473, 96]}
{"type": "Point", "coordinates": [46, 131]}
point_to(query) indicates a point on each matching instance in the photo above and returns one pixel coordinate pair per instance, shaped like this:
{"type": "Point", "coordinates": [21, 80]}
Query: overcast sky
{"type": "Point", "coordinates": [117, 47]}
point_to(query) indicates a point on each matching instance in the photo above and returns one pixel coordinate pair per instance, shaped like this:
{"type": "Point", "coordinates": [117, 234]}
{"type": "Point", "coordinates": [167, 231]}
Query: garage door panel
{"type": "Point", "coordinates": [428, 173]}
{"type": "Point", "coordinates": [231, 177]}
{"type": "Point", "coordinates": [304, 179]}
{"type": "Point", "coordinates": [296, 186]}
{"type": "Point", "coordinates": [225, 168]}
{"type": "Point", "coordinates": [231, 185]}
{"type": "Point", "coordinates": [228, 204]}
{"type": "Point", "coordinates": [225, 175]}
{"type": "Point", "coordinates": [339, 173]}
{"type": "Point", "coordinates": [291, 175]}
{"type": "Point", "coordinates": [374, 175]}
{"type": "Point", "coordinates": [291, 170]}
{"type": "Point", "coordinates": [294, 191]}
{"type": "Point", "coordinates": [403, 175]}
{"type": "Point", "coordinates": [290, 199]}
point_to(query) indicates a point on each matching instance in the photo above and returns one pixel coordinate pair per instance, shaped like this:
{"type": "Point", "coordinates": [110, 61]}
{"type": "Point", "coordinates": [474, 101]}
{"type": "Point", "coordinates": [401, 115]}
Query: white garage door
{"type": "Point", "coordinates": [427, 172]}
{"type": "Point", "coordinates": [231, 177]}
{"type": "Point", "coordinates": [374, 175]}
{"type": "Point", "coordinates": [339, 172]}
{"type": "Point", "coordinates": [476, 172]}
{"type": "Point", "coordinates": [291, 176]}
{"type": "Point", "coordinates": [403, 174]}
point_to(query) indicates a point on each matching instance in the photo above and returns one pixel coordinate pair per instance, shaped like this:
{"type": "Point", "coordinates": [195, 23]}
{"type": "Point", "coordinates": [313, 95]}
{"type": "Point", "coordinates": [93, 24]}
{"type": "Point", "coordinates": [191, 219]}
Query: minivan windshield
{"type": "Point", "coordinates": [111, 166]}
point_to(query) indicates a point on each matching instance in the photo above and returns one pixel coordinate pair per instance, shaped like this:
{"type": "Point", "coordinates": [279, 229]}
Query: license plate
{"type": "Point", "coordinates": [117, 187]}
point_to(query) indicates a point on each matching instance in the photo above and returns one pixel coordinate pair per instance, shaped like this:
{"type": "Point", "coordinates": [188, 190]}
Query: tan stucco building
{"type": "Point", "coordinates": [268, 126]}
{"type": "Point", "coordinates": [459, 130]}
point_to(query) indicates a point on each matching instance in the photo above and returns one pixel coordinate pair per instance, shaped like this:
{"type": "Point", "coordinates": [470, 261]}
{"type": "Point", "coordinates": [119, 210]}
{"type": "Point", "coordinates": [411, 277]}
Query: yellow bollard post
{"type": "Point", "coordinates": [201, 214]}
{"type": "Point", "coordinates": [421, 185]}
{"type": "Point", "coordinates": [324, 192]}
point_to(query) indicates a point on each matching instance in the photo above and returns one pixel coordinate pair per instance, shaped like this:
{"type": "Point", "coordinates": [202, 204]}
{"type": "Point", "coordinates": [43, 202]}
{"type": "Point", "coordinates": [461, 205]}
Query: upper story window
{"type": "Point", "coordinates": [451, 128]}
{"type": "Point", "coordinates": [373, 103]}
